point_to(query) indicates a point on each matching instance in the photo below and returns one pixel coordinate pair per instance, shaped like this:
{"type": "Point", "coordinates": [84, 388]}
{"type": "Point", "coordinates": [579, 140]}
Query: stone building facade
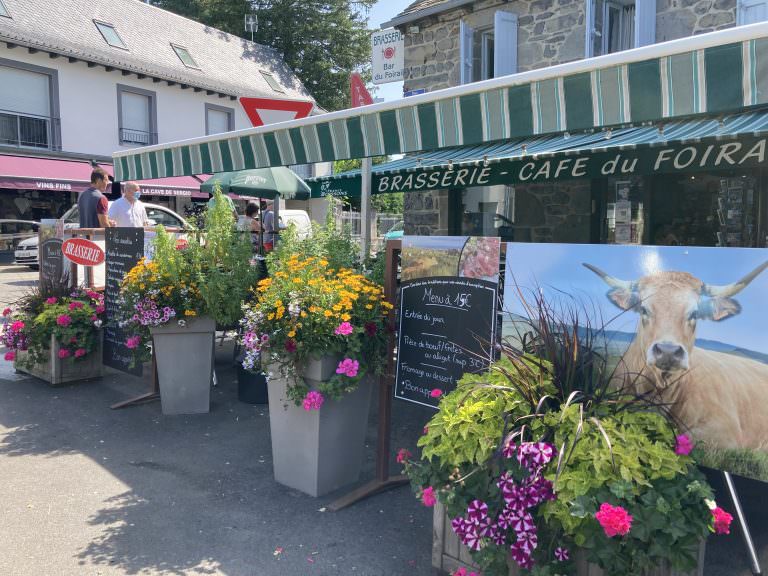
{"type": "Point", "coordinates": [549, 32]}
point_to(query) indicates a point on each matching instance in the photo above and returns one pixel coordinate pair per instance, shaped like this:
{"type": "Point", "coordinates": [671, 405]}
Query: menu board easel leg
{"type": "Point", "coordinates": [753, 560]}
{"type": "Point", "coordinates": [386, 382]}
{"type": "Point", "coordinates": [153, 394]}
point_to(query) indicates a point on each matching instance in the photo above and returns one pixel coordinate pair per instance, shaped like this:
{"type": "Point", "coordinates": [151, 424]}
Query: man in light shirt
{"type": "Point", "coordinates": [129, 211]}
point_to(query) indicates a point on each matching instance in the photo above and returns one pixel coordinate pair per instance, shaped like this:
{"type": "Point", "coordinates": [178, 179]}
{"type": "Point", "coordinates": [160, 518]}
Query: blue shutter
{"type": "Point", "coordinates": [645, 23]}
{"type": "Point", "coordinates": [504, 44]}
{"type": "Point", "coordinates": [465, 52]}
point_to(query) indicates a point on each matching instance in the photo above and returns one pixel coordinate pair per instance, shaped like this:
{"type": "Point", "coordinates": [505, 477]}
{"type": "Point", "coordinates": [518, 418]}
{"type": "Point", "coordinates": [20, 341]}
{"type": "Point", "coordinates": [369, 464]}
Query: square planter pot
{"type": "Point", "coordinates": [318, 451]}
{"type": "Point", "coordinates": [449, 554]}
{"type": "Point", "coordinates": [251, 386]}
{"type": "Point", "coordinates": [184, 358]}
{"type": "Point", "coordinates": [57, 371]}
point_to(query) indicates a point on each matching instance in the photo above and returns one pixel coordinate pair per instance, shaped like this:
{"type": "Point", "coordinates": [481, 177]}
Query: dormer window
{"type": "Point", "coordinates": [185, 56]}
{"type": "Point", "coordinates": [110, 35]}
{"type": "Point", "coordinates": [274, 84]}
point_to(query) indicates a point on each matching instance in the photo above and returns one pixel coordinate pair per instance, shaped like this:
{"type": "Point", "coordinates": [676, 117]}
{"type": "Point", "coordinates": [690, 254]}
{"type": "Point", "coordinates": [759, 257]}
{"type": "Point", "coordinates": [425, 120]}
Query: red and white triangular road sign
{"type": "Point", "coordinates": [358, 92]}
{"type": "Point", "coordinates": [263, 111]}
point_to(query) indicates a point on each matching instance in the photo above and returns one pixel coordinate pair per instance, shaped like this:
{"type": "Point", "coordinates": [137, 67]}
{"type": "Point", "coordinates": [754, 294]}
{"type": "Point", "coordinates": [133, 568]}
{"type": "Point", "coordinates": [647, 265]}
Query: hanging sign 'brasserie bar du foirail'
{"type": "Point", "coordinates": [447, 313]}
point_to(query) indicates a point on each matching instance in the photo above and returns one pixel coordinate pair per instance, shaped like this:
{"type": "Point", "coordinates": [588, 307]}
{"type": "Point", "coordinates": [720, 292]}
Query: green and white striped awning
{"type": "Point", "coordinates": [715, 73]}
{"type": "Point", "coordinates": [682, 145]}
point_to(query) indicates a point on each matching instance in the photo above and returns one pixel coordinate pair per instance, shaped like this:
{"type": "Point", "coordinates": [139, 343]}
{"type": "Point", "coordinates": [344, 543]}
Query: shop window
{"type": "Point", "coordinates": [28, 105]}
{"type": "Point", "coordinates": [489, 52]}
{"type": "Point", "coordinates": [137, 113]}
{"type": "Point", "coordinates": [625, 212]}
{"type": "Point", "coordinates": [751, 11]}
{"type": "Point", "coordinates": [617, 25]}
{"type": "Point", "coordinates": [219, 119]}
{"type": "Point", "coordinates": [488, 211]}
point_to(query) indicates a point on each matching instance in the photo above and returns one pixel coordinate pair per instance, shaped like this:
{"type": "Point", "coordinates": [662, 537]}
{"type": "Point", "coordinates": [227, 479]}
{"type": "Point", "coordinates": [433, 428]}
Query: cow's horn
{"type": "Point", "coordinates": [610, 280]}
{"type": "Point", "coordinates": [736, 287]}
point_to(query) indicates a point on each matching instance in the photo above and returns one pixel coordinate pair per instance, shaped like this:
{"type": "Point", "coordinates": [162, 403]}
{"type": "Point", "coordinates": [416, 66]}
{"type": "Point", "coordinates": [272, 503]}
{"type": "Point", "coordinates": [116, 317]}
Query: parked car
{"type": "Point", "coordinates": [298, 218]}
{"type": "Point", "coordinates": [12, 232]}
{"type": "Point", "coordinates": [397, 231]}
{"type": "Point", "coordinates": [27, 254]}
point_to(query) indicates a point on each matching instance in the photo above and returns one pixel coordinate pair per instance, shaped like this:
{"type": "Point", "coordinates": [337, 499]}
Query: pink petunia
{"type": "Point", "coordinates": [344, 329]}
{"type": "Point", "coordinates": [64, 353]}
{"type": "Point", "coordinates": [80, 352]}
{"type": "Point", "coordinates": [561, 554]}
{"type": "Point", "coordinates": [722, 521]}
{"type": "Point", "coordinates": [17, 326]}
{"type": "Point", "coordinates": [348, 367]}
{"type": "Point", "coordinates": [615, 520]}
{"type": "Point", "coordinates": [52, 300]}
{"type": "Point", "coordinates": [64, 320]}
{"type": "Point", "coordinates": [313, 400]}
{"type": "Point", "coordinates": [436, 393]}
{"type": "Point", "coordinates": [10, 356]}
{"type": "Point", "coordinates": [683, 445]}
{"type": "Point", "coordinates": [133, 342]}
{"type": "Point", "coordinates": [100, 309]}
{"type": "Point", "coordinates": [403, 455]}
{"type": "Point", "coordinates": [428, 497]}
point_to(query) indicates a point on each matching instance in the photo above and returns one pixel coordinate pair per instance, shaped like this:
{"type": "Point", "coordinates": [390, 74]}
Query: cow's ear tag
{"type": "Point", "coordinates": [623, 298]}
{"type": "Point", "coordinates": [719, 308]}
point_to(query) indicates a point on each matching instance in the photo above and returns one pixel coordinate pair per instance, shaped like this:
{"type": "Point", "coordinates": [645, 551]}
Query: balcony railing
{"type": "Point", "coordinates": [28, 130]}
{"type": "Point", "coordinates": [137, 137]}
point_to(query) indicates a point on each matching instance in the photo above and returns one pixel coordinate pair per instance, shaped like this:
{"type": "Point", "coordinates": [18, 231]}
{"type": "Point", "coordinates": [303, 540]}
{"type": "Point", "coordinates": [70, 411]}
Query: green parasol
{"type": "Point", "coordinates": [260, 183]}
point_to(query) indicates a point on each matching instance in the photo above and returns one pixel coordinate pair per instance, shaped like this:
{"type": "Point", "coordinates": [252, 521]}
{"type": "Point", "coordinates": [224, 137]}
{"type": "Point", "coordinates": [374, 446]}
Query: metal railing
{"type": "Point", "coordinates": [137, 137]}
{"type": "Point", "coordinates": [28, 130]}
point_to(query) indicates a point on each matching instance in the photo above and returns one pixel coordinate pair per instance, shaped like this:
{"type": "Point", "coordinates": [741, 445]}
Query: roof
{"type": "Point", "coordinates": [423, 8]}
{"type": "Point", "coordinates": [505, 159]}
{"type": "Point", "coordinates": [228, 64]}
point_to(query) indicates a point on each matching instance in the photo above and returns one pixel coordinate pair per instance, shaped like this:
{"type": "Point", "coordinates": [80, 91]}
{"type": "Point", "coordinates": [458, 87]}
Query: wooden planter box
{"type": "Point", "coordinates": [58, 372]}
{"type": "Point", "coordinates": [449, 554]}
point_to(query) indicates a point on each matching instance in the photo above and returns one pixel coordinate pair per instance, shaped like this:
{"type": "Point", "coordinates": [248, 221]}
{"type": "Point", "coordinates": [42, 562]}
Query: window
{"type": "Point", "coordinates": [185, 56]}
{"type": "Point", "coordinates": [491, 51]}
{"type": "Point", "coordinates": [272, 82]}
{"type": "Point", "coordinates": [137, 115]}
{"type": "Point", "coordinates": [618, 25]}
{"type": "Point", "coordinates": [110, 35]}
{"type": "Point", "coordinates": [28, 105]}
{"type": "Point", "coordinates": [751, 11]}
{"type": "Point", "coordinates": [219, 119]}
{"type": "Point", "coordinates": [3, 10]}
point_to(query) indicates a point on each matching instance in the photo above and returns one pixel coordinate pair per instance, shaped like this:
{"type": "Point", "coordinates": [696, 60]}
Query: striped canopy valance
{"type": "Point", "coordinates": [607, 91]}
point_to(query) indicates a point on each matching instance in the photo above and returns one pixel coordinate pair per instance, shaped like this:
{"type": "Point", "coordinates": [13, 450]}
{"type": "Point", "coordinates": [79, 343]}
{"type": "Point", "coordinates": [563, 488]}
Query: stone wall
{"type": "Point", "coordinates": [681, 18]}
{"type": "Point", "coordinates": [427, 213]}
{"type": "Point", "coordinates": [550, 32]}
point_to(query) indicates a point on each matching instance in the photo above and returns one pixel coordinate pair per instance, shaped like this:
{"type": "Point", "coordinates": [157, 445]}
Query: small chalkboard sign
{"type": "Point", "coordinates": [124, 248]}
{"type": "Point", "coordinates": [447, 327]}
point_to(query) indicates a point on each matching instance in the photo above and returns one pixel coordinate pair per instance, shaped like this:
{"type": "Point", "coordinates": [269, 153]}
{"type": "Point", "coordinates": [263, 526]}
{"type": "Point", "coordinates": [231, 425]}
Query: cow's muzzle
{"type": "Point", "coordinates": [668, 356]}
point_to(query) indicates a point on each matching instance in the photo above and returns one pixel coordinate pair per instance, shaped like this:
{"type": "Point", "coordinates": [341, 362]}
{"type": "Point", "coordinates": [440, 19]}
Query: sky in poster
{"type": "Point", "coordinates": [557, 268]}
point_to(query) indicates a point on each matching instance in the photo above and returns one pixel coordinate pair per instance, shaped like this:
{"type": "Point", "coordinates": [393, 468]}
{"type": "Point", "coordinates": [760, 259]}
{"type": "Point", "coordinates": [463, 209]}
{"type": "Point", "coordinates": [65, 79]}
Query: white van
{"type": "Point", "coordinates": [298, 218]}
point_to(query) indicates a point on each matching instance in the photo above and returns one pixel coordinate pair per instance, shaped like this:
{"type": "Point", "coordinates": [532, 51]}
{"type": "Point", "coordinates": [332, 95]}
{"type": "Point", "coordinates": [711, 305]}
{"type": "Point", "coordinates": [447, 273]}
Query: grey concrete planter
{"type": "Point", "coordinates": [319, 451]}
{"type": "Point", "coordinates": [449, 554]}
{"type": "Point", "coordinates": [57, 371]}
{"type": "Point", "coordinates": [184, 357]}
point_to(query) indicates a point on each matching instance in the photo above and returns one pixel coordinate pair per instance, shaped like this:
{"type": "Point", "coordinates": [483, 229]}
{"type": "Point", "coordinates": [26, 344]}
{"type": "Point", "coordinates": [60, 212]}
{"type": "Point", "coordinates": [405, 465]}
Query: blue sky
{"type": "Point", "coordinates": [559, 266]}
{"type": "Point", "coordinates": [383, 11]}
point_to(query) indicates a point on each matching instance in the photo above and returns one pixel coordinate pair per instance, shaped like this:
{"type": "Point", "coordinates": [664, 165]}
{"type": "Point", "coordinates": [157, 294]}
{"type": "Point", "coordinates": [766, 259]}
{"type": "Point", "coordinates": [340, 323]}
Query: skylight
{"type": "Point", "coordinates": [185, 56]}
{"type": "Point", "coordinates": [4, 10]}
{"type": "Point", "coordinates": [272, 82]}
{"type": "Point", "coordinates": [110, 35]}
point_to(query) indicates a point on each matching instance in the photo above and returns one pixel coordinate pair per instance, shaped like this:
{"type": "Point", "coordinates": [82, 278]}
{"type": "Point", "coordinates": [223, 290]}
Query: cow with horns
{"type": "Point", "coordinates": [719, 397]}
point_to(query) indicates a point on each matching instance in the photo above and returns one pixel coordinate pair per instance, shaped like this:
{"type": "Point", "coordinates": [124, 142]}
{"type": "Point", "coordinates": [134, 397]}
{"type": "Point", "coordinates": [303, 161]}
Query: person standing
{"type": "Point", "coordinates": [268, 223]}
{"type": "Point", "coordinates": [92, 205]}
{"type": "Point", "coordinates": [250, 223]}
{"type": "Point", "coordinates": [129, 211]}
{"type": "Point", "coordinates": [228, 201]}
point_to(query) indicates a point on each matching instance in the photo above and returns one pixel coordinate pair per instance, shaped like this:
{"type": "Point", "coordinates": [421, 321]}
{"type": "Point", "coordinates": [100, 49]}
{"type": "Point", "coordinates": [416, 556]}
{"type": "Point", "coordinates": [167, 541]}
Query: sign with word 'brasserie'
{"type": "Point", "coordinates": [447, 313]}
{"type": "Point", "coordinates": [82, 251]}
{"type": "Point", "coordinates": [124, 247]}
{"type": "Point", "coordinates": [387, 56]}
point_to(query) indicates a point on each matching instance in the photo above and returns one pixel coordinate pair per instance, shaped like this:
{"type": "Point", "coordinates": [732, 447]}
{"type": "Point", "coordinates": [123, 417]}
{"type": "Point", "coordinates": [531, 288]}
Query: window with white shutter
{"type": "Point", "coordinates": [137, 116]}
{"type": "Point", "coordinates": [26, 106]}
{"type": "Point", "coordinates": [218, 119]}
{"type": "Point", "coordinates": [489, 52]}
{"type": "Point", "coordinates": [751, 11]}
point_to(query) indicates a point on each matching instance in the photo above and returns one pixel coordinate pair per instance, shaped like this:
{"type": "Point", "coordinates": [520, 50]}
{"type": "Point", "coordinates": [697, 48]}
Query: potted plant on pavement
{"type": "Point", "coordinates": [322, 332]}
{"type": "Point", "coordinates": [56, 338]}
{"type": "Point", "coordinates": [547, 465]}
{"type": "Point", "coordinates": [177, 299]}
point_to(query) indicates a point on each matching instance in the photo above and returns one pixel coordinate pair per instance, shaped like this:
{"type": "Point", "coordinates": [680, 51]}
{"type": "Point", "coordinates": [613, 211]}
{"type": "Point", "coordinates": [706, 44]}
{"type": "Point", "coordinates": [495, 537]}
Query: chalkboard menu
{"type": "Point", "coordinates": [124, 248]}
{"type": "Point", "coordinates": [447, 325]}
{"type": "Point", "coordinates": [54, 269]}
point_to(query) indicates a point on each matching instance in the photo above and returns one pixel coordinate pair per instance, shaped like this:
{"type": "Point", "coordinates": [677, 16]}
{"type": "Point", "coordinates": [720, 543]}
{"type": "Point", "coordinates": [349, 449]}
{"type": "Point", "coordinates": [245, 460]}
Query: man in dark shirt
{"type": "Point", "coordinates": [92, 204]}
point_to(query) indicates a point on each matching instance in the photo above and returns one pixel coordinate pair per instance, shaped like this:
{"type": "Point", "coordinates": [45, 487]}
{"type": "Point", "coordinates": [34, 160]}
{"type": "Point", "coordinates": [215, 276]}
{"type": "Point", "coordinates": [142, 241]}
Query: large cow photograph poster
{"type": "Point", "coordinates": [682, 324]}
{"type": "Point", "coordinates": [448, 305]}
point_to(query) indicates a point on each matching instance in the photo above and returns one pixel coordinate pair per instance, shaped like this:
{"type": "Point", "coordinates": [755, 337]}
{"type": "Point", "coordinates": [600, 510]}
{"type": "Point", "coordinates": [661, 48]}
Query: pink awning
{"type": "Point", "coordinates": [30, 173]}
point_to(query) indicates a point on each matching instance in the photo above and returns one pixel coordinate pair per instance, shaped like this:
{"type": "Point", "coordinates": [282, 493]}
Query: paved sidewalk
{"type": "Point", "coordinates": [15, 281]}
